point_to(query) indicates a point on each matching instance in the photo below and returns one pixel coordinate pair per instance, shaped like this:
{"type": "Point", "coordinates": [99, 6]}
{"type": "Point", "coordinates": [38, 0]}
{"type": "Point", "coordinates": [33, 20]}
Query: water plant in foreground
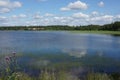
{"type": "Point", "coordinates": [11, 67]}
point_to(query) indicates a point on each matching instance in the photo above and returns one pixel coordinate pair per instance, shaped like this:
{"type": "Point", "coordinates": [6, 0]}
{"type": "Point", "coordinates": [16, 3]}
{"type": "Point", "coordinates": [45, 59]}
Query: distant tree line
{"type": "Point", "coordinates": [107, 27]}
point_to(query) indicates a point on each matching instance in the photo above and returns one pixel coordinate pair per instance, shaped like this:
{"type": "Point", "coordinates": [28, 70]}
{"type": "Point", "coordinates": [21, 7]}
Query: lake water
{"type": "Point", "coordinates": [75, 45]}
{"type": "Point", "coordinates": [55, 41]}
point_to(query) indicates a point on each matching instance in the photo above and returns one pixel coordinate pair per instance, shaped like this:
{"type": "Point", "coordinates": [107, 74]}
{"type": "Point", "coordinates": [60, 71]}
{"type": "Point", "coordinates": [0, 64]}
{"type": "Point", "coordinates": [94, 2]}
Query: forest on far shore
{"type": "Point", "coordinates": [107, 27]}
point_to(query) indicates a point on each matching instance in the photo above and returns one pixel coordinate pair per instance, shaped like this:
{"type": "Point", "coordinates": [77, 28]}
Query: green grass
{"type": "Point", "coordinates": [117, 33]}
{"type": "Point", "coordinates": [60, 75]}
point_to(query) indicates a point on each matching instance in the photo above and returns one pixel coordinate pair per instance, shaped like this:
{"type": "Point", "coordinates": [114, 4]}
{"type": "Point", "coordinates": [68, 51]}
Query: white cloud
{"type": "Point", "coordinates": [7, 5]}
{"type": "Point", "coordinates": [103, 18]}
{"type": "Point", "coordinates": [61, 18]}
{"type": "Point", "coordinates": [4, 10]}
{"type": "Point", "coordinates": [65, 9]}
{"type": "Point", "coordinates": [94, 13]}
{"type": "Point", "coordinates": [18, 17]}
{"type": "Point", "coordinates": [3, 3]}
{"type": "Point", "coordinates": [22, 16]}
{"type": "Point", "coordinates": [78, 5]}
{"type": "Point", "coordinates": [49, 15]}
{"type": "Point", "coordinates": [14, 16]}
{"type": "Point", "coordinates": [80, 15]}
{"type": "Point", "coordinates": [3, 19]}
{"type": "Point", "coordinates": [74, 19]}
{"type": "Point", "coordinates": [16, 4]}
{"type": "Point", "coordinates": [37, 16]}
{"type": "Point", "coordinates": [81, 19]}
{"type": "Point", "coordinates": [117, 16]}
{"type": "Point", "coordinates": [101, 4]}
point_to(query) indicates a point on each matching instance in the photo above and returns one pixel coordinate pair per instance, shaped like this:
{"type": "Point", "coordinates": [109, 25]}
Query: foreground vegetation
{"type": "Point", "coordinates": [12, 71]}
{"type": "Point", "coordinates": [59, 76]}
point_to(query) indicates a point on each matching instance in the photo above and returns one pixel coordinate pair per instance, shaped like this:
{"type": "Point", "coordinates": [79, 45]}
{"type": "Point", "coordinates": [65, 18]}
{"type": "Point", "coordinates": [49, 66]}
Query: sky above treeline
{"type": "Point", "coordinates": [58, 12]}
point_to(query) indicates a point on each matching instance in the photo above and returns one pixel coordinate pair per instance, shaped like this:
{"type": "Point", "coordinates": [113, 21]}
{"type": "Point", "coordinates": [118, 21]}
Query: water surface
{"type": "Point", "coordinates": [58, 41]}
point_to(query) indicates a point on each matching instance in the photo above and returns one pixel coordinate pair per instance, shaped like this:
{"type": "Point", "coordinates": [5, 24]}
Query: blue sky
{"type": "Point", "coordinates": [58, 12]}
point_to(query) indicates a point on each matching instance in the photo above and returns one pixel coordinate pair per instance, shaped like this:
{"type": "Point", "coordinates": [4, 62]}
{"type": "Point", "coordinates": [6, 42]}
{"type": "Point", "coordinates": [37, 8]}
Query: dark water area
{"type": "Point", "coordinates": [58, 49]}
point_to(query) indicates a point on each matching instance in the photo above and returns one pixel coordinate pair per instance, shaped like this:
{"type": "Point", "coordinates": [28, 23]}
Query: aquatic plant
{"type": "Point", "coordinates": [11, 67]}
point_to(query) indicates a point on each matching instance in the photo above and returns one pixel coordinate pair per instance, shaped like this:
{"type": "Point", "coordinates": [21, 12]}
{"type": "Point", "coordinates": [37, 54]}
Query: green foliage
{"type": "Point", "coordinates": [44, 75]}
{"type": "Point", "coordinates": [115, 76]}
{"type": "Point", "coordinates": [97, 76]}
{"type": "Point", "coordinates": [60, 75]}
{"type": "Point", "coordinates": [17, 76]}
{"type": "Point", "coordinates": [107, 27]}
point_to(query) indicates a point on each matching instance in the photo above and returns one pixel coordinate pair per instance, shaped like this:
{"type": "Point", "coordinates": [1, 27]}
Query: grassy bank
{"type": "Point", "coordinates": [117, 33]}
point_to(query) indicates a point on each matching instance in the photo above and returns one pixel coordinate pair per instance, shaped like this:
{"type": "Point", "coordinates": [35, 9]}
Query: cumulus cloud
{"type": "Point", "coordinates": [103, 18]}
{"type": "Point", "coordinates": [7, 5]}
{"type": "Point", "coordinates": [4, 10]}
{"type": "Point", "coordinates": [94, 13]}
{"type": "Point", "coordinates": [37, 16]}
{"type": "Point", "coordinates": [78, 5]}
{"type": "Point", "coordinates": [65, 9]}
{"type": "Point", "coordinates": [117, 17]}
{"type": "Point", "coordinates": [75, 19]}
{"type": "Point", "coordinates": [80, 15]}
{"type": "Point", "coordinates": [62, 20]}
{"type": "Point", "coordinates": [22, 16]}
{"type": "Point", "coordinates": [101, 4]}
{"type": "Point", "coordinates": [3, 20]}
{"type": "Point", "coordinates": [18, 16]}
{"type": "Point", "coordinates": [16, 4]}
{"type": "Point", "coordinates": [49, 15]}
{"type": "Point", "coordinates": [14, 16]}
{"type": "Point", "coordinates": [99, 19]}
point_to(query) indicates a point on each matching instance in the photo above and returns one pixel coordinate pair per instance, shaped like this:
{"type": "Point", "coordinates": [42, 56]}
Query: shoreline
{"type": "Point", "coordinates": [114, 33]}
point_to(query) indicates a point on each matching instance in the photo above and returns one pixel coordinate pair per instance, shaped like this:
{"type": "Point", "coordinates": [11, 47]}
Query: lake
{"type": "Point", "coordinates": [53, 48]}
